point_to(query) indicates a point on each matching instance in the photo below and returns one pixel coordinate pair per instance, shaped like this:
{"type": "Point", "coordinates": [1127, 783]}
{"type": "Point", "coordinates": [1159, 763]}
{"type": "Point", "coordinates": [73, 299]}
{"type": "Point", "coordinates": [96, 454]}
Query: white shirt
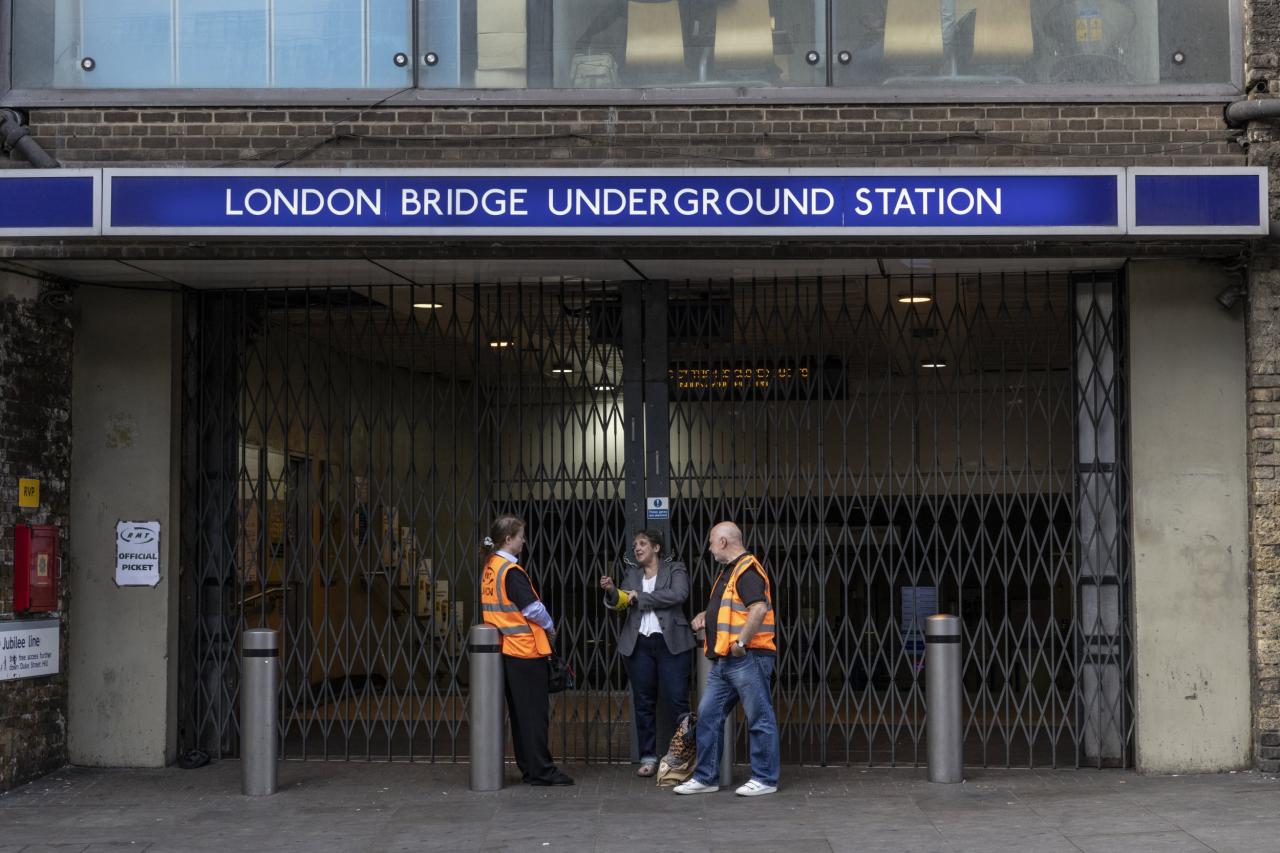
{"type": "Point", "coordinates": [649, 624]}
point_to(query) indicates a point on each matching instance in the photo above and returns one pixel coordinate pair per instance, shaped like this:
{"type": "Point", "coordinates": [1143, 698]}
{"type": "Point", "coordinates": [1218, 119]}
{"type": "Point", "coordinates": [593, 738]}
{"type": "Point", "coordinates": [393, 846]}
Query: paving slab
{"type": "Point", "coordinates": [338, 806]}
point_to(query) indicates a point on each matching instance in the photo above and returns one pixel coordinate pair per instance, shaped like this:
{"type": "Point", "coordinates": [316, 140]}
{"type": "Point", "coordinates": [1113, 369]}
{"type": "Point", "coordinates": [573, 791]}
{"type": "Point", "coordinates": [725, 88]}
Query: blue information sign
{"type": "Point", "coordinates": [56, 202]}
{"type": "Point", "coordinates": [1215, 201]}
{"type": "Point", "coordinates": [930, 203]}
{"type": "Point", "coordinates": [636, 201]}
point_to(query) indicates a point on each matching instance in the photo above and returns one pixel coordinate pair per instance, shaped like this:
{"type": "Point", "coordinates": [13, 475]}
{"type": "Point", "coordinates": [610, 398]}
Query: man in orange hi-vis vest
{"type": "Point", "coordinates": [741, 644]}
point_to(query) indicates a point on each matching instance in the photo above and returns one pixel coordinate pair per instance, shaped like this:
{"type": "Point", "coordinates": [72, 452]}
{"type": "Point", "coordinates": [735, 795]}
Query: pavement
{"type": "Point", "coordinates": [420, 807]}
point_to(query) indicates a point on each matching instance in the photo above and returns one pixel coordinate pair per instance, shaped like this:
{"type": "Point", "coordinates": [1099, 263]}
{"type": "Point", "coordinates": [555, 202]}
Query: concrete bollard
{"type": "Point", "coordinates": [943, 663]}
{"type": "Point", "coordinates": [726, 753]}
{"type": "Point", "coordinates": [488, 744]}
{"type": "Point", "coordinates": [259, 711]}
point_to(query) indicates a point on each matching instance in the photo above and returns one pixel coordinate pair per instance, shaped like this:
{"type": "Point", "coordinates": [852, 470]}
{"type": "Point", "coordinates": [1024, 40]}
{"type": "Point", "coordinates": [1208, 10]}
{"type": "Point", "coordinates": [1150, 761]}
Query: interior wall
{"type": "Point", "coordinates": [383, 493]}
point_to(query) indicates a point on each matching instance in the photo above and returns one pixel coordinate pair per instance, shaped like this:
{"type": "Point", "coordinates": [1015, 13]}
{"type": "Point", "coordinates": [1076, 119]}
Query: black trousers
{"type": "Point", "coordinates": [527, 698]}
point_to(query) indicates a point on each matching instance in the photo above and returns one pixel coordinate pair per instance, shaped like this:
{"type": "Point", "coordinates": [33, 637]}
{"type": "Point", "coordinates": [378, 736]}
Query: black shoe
{"type": "Point", "coordinates": [554, 778]}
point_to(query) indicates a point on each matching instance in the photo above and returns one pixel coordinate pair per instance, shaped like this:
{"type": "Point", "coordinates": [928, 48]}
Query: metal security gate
{"type": "Point", "coordinates": [891, 446]}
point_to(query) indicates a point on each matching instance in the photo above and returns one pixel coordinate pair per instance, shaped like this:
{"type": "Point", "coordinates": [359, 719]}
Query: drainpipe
{"type": "Point", "coordinates": [1240, 113]}
{"type": "Point", "coordinates": [14, 138]}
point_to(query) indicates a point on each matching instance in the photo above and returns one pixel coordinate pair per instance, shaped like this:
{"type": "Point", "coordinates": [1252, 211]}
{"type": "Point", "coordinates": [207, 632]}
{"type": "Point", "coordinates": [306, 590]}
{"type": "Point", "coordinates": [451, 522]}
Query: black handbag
{"type": "Point", "coordinates": [559, 674]}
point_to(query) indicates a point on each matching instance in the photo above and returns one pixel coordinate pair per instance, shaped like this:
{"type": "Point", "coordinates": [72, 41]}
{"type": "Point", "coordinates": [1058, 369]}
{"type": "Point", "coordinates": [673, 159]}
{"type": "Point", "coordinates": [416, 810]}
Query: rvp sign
{"type": "Point", "coordinates": [137, 553]}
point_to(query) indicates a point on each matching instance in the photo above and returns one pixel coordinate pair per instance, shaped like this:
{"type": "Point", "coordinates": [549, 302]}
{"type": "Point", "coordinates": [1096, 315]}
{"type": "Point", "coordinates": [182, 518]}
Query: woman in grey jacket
{"type": "Point", "coordinates": [656, 641]}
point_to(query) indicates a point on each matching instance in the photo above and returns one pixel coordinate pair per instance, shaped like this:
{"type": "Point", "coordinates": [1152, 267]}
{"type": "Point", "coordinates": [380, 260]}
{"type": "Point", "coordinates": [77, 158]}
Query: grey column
{"type": "Point", "coordinates": [944, 722]}
{"type": "Point", "coordinates": [259, 711]}
{"type": "Point", "coordinates": [633, 439]}
{"type": "Point", "coordinates": [726, 751]}
{"type": "Point", "coordinates": [486, 708]}
{"type": "Point", "coordinates": [657, 449]}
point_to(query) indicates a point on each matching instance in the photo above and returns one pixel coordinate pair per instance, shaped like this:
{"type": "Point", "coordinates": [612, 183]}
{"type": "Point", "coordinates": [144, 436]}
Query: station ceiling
{"type": "Point", "coordinates": [218, 274]}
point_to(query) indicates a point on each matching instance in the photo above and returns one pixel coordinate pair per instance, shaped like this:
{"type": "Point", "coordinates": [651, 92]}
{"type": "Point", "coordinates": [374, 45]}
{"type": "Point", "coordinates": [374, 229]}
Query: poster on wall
{"type": "Point", "coordinates": [137, 553]}
{"type": "Point", "coordinates": [28, 649]}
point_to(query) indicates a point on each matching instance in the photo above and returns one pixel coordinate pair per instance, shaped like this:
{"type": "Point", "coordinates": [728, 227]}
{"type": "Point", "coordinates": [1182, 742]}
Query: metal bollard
{"type": "Point", "coordinates": [942, 665]}
{"type": "Point", "coordinates": [726, 752]}
{"type": "Point", "coordinates": [487, 742]}
{"type": "Point", "coordinates": [259, 711]}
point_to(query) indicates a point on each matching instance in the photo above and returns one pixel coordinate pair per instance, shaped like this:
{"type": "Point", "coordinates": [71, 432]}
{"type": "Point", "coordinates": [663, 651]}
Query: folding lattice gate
{"type": "Point", "coordinates": [891, 446]}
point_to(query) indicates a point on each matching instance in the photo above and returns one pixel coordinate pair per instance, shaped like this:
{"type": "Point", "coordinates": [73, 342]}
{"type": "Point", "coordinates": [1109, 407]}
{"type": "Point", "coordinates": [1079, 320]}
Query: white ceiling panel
{"type": "Point", "coordinates": [928, 266]}
{"type": "Point", "coordinates": [95, 272]}
{"type": "Point", "coordinates": [747, 268]}
{"type": "Point", "coordinates": [272, 273]}
{"type": "Point", "coordinates": [468, 271]}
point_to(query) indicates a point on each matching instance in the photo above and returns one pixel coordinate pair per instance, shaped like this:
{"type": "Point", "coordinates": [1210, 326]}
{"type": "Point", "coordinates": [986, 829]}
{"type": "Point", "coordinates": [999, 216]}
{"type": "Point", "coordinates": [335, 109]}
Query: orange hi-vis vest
{"type": "Point", "coordinates": [520, 637]}
{"type": "Point", "coordinates": [731, 615]}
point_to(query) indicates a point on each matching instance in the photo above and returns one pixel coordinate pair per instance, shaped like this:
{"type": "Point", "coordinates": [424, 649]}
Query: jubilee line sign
{"type": "Point", "coordinates": [637, 202]}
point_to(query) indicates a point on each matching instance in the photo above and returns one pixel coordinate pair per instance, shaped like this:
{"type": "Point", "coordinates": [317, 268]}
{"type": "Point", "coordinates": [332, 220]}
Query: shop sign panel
{"type": "Point", "coordinates": [50, 202]}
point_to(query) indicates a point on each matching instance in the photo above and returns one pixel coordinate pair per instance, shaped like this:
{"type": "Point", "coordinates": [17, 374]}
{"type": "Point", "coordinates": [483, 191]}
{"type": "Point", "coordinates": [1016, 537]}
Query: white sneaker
{"type": "Point", "coordinates": [693, 786]}
{"type": "Point", "coordinates": [756, 789]}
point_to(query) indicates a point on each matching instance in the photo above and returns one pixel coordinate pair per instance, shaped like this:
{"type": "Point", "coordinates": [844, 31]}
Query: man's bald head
{"type": "Point", "coordinates": [725, 541]}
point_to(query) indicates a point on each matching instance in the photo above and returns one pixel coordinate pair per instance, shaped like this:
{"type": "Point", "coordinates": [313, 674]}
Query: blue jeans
{"type": "Point", "coordinates": [731, 680]}
{"type": "Point", "coordinates": [652, 668]}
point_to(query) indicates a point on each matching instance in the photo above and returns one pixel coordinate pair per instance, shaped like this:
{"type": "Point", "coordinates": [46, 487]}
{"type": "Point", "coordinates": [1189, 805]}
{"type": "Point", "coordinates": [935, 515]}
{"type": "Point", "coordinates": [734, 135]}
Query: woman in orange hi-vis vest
{"type": "Point", "coordinates": [510, 603]}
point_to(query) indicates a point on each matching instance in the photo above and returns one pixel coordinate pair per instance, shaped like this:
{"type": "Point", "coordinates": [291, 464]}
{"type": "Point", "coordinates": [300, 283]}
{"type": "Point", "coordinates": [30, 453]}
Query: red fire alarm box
{"type": "Point", "coordinates": [35, 567]}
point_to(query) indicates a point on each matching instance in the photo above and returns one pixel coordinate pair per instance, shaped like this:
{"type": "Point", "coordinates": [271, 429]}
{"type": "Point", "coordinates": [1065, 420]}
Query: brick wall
{"type": "Point", "coordinates": [35, 441]}
{"type": "Point", "coordinates": [708, 136]}
{"type": "Point", "coordinates": [1262, 74]}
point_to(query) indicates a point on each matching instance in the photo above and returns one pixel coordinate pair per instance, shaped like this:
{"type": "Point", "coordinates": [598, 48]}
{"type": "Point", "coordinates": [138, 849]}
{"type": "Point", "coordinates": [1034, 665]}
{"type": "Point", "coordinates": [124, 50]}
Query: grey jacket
{"type": "Point", "coordinates": [670, 592]}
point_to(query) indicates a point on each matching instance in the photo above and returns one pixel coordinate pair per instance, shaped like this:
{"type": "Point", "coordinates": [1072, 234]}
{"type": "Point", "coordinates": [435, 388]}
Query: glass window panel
{"type": "Point", "coordinates": [440, 43]}
{"type": "Point", "coordinates": [501, 47]}
{"type": "Point", "coordinates": [37, 44]}
{"type": "Point", "coordinates": [898, 45]}
{"type": "Point", "coordinates": [223, 43]}
{"type": "Point", "coordinates": [129, 41]}
{"type": "Point", "coordinates": [390, 33]}
{"type": "Point", "coordinates": [318, 43]}
{"type": "Point", "coordinates": [915, 43]}
{"type": "Point", "coordinates": [649, 43]}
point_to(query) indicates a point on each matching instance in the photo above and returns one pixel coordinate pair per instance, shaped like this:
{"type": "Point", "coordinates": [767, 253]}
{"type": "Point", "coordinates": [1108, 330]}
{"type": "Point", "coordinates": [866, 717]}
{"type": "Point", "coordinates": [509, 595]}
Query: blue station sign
{"type": "Point", "coordinates": [50, 203]}
{"type": "Point", "coordinates": [1214, 201]}
{"type": "Point", "coordinates": [374, 203]}
{"type": "Point", "coordinates": [756, 202]}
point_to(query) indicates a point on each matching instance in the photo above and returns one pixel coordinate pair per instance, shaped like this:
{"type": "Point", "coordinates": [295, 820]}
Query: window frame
{"type": "Point", "coordinates": [672, 96]}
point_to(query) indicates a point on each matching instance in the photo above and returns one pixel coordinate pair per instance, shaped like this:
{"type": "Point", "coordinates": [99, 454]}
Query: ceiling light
{"type": "Point", "coordinates": [914, 298]}
{"type": "Point", "coordinates": [933, 364]}
{"type": "Point", "coordinates": [562, 368]}
{"type": "Point", "coordinates": [602, 387]}
{"type": "Point", "coordinates": [427, 305]}
{"type": "Point", "coordinates": [501, 344]}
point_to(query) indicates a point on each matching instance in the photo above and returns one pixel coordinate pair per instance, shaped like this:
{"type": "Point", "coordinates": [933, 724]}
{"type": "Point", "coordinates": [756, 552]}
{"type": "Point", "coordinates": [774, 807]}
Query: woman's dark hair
{"type": "Point", "coordinates": [655, 538]}
{"type": "Point", "coordinates": [502, 529]}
